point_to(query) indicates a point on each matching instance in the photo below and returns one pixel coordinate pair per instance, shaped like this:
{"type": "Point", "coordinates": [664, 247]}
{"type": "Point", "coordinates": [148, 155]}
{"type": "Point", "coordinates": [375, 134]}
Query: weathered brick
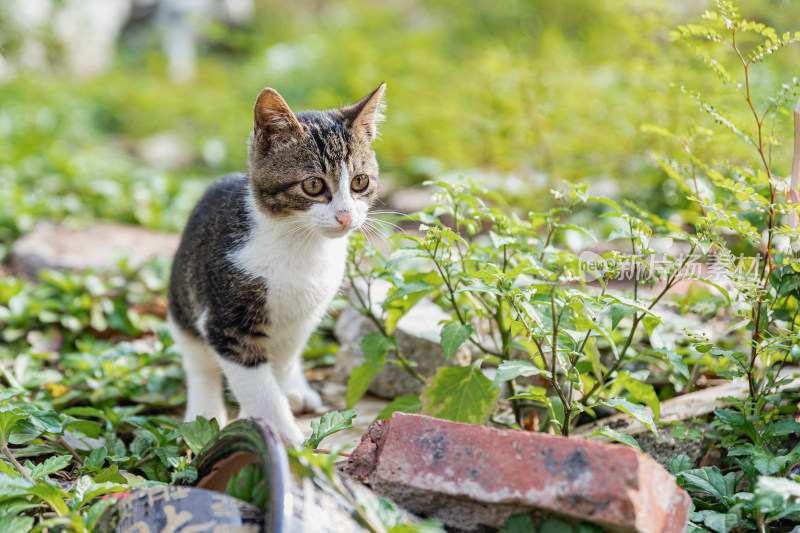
{"type": "Point", "coordinates": [362, 462]}
{"type": "Point", "coordinates": [468, 475]}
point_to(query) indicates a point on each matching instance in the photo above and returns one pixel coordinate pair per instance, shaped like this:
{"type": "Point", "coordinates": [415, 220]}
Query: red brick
{"type": "Point", "coordinates": [362, 462]}
{"type": "Point", "coordinates": [468, 475]}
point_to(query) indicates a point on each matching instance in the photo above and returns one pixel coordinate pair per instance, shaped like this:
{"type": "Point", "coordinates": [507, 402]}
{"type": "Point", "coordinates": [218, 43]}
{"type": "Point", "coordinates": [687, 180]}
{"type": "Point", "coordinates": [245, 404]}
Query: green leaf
{"type": "Point", "coordinates": [405, 289]}
{"type": "Point", "coordinates": [110, 475]}
{"type": "Point", "coordinates": [197, 433]}
{"type": "Point", "coordinates": [618, 312]}
{"type": "Point", "coordinates": [738, 422]}
{"type": "Point", "coordinates": [642, 392]}
{"type": "Point", "coordinates": [460, 393]}
{"type": "Point", "coordinates": [710, 480]}
{"type": "Point", "coordinates": [622, 438]}
{"type": "Point", "coordinates": [358, 383]}
{"type": "Point", "coordinates": [8, 393]}
{"type": "Point", "coordinates": [8, 420]}
{"type": "Point", "coordinates": [50, 465]}
{"type": "Point", "coordinates": [555, 526]}
{"type": "Point", "coordinates": [403, 254]}
{"type": "Point", "coordinates": [13, 486]}
{"type": "Point", "coordinates": [10, 523]}
{"type": "Point", "coordinates": [97, 457]}
{"type": "Point", "coordinates": [375, 347]}
{"type": "Point", "coordinates": [680, 463]}
{"type": "Point", "coordinates": [53, 495]}
{"type": "Point", "coordinates": [408, 403]}
{"type": "Point", "coordinates": [636, 411]}
{"type": "Point", "coordinates": [518, 523]}
{"type": "Point", "coordinates": [675, 360]}
{"type": "Point", "coordinates": [515, 368]}
{"type": "Point", "coordinates": [781, 428]}
{"type": "Point", "coordinates": [46, 421]}
{"type": "Point", "coordinates": [329, 424]}
{"type": "Point", "coordinates": [478, 285]}
{"type": "Point", "coordinates": [453, 336]}
{"type": "Point", "coordinates": [763, 460]}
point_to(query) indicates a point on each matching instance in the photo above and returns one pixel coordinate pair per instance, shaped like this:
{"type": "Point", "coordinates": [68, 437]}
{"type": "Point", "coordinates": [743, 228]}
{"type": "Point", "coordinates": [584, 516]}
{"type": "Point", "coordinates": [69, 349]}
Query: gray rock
{"type": "Point", "coordinates": [96, 247]}
{"type": "Point", "coordinates": [417, 336]}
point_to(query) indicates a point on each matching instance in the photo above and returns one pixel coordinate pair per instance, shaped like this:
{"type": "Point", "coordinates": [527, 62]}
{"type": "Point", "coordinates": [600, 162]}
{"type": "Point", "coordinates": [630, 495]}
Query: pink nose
{"type": "Point", "coordinates": [344, 218]}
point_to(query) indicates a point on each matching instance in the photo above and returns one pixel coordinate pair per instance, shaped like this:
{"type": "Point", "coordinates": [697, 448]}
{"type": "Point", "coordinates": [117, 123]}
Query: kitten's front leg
{"type": "Point", "coordinates": [259, 395]}
{"type": "Point", "coordinates": [302, 398]}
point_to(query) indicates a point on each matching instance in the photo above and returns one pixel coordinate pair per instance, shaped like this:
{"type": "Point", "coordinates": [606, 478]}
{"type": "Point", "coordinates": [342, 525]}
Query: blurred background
{"type": "Point", "coordinates": [127, 109]}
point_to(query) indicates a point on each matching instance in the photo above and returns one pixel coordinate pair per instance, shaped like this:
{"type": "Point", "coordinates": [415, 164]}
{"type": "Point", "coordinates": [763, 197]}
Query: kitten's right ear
{"type": "Point", "coordinates": [273, 120]}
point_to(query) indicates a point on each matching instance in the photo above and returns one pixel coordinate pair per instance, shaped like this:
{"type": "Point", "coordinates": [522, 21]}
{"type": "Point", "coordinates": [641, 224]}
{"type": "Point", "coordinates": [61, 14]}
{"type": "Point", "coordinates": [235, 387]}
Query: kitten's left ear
{"type": "Point", "coordinates": [364, 116]}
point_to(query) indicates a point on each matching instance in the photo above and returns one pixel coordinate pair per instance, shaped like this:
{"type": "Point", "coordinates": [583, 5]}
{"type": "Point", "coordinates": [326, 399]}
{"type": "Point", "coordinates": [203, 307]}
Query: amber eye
{"type": "Point", "coordinates": [360, 182]}
{"type": "Point", "coordinates": [313, 186]}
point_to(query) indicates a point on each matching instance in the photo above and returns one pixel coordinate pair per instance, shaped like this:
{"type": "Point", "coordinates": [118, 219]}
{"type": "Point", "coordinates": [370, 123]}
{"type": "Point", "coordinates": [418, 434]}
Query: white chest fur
{"type": "Point", "coordinates": [303, 272]}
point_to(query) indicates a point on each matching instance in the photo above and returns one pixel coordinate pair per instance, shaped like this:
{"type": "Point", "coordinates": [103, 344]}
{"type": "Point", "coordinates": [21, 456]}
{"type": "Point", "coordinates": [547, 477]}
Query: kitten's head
{"type": "Point", "coordinates": [315, 167]}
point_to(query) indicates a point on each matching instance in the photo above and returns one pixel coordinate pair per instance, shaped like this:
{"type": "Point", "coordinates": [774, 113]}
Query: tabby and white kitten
{"type": "Point", "coordinates": [264, 253]}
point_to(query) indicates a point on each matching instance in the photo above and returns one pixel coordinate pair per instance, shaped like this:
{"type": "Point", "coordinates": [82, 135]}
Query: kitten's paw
{"type": "Point", "coordinates": [303, 399]}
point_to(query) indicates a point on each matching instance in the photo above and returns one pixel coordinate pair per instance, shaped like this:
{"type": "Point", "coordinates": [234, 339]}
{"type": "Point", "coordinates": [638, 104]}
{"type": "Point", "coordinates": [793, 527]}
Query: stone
{"type": "Point", "coordinates": [417, 336]}
{"type": "Point", "coordinates": [472, 477]}
{"type": "Point", "coordinates": [96, 247]}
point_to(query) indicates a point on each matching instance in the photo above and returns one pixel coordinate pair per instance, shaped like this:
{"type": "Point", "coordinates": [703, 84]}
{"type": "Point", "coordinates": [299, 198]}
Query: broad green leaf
{"type": "Point", "coordinates": [23, 432]}
{"type": "Point", "coordinates": [721, 522]}
{"type": "Point", "coordinates": [618, 312]}
{"type": "Point", "coordinates": [710, 480]}
{"type": "Point", "coordinates": [781, 428]}
{"type": "Point", "coordinates": [680, 463]}
{"type": "Point", "coordinates": [358, 383]}
{"type": "Point", "coordinates": [53, 495]}
{"type": "Point", "coordinates": [110, 475]}
{"type": "Point", "coordinates": [518, 523]}
{"type": "Point", "coordinates": [763, 460]}
{"type": "Point", "coordinates": [460, 393]}
{"type": "Point", "coordinates": [403, 254]}
{"type": "Point", "coordinates": [96, 458]}
{"type": "Point", "coordinates": [11, 523]}
{"type": "Point", "coordinates": [675, 360]}
{"type": "Point", "coordinates": [632, 304]}
{"type": "Point", "coordinates": [636, 411]}
{"type": "Point", "coordinates": [622, 438]}
{"type": "Point", "coordinates": [8, 393]}
{"type": "Point", "coordinates": [453, 336]}
{"type": "Point", "coordinates": [50, 465]}
{"type": "Point", "coordinates": [8, 421]}
{"type": "Point", "coordinates": [478, 285]}
{"type": "Point", "coordinates": [46, 421]}
{"type": "Point", "coordinates": [555, 409]}
{"type": "Point", "coordinates": [776, 494]}
{"type": "Point", "coordinates": [738, 422]}
{"type": "Point", "coordinates": [555, 526]}
{"type": "Point", "coordinates": [642, 392]}
{"type": "Point", "coordinates": [13, 486]}
{"type": "Point", "coordinates": [408, 403]}
{"type": "Point", "coordinates": [197, 433]}
{"type": "Point", "coordinates": [513, 369]}
{"type": "Point", "coordinates": [375, 347]}
{"type": "Point", "coordinates": [329, 424]}
{"type": "Point", "coordinates": [405, 289]}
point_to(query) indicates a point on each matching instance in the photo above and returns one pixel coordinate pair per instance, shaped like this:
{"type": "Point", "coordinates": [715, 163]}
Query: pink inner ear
{"type": "Point", "coordinates": [272, 113]}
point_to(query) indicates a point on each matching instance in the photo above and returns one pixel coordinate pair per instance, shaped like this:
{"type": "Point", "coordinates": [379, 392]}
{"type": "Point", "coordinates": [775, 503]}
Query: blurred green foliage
{"type": "Point", "coordinates": [545, 90]}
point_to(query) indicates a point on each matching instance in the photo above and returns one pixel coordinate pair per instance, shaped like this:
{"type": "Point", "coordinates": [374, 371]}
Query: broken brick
{"type": "Point", "coordinates": [471, 476]}
{"type": "Point", "coordinates": [362, 462]}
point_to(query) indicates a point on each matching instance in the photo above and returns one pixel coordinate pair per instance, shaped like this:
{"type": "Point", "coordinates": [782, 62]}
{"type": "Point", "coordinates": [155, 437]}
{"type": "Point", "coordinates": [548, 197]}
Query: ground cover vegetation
{"type": "Point", "coordinates": [579, 301]}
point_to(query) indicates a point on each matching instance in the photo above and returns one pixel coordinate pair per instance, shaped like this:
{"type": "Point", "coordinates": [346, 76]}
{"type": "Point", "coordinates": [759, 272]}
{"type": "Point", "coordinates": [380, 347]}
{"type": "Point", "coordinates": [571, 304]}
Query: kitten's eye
{"type": "Point", "coordinates": [313, 186]}
{"type": "Point", "coordinates": [360, 182]}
